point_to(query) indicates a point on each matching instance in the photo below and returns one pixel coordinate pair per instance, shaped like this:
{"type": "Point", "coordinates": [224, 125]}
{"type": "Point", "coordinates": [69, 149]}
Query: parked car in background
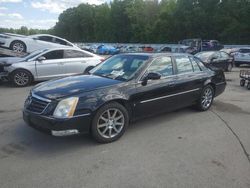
{"type": "Point", "coordinates": [123, 88]}
{"type": "Point", "coordinates": [107, 50]}
{"type": "Point", "coordinates": [22, 43]}
{"type": "Point", "coordinates": [199, 45]}
{"type": "Point", "coordinates": [242, 56]}
{"type": "Point", "coordinates": [230, 51]}
{"type": "Point", "coordinates": [177, 49]}
{"type": "Point", "coordinates": [147, 49]}
{"type": "Point", "coordinates": [217, 59]}
{"type": "Point", "coordinates": [47, 64]}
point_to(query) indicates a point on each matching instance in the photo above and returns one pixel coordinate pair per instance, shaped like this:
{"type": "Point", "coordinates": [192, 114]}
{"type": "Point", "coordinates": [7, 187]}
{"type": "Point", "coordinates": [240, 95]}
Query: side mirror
{"type": "Point", "coordinates": [151, 76]}
{"type": "Point", "coordinates": [41, 58]}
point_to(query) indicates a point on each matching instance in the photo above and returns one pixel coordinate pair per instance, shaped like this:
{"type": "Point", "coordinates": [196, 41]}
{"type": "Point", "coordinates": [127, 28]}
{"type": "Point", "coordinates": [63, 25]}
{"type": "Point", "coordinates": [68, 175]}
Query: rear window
{"type": "Point", "coordinates": [75, 54]}
{"type": "Point", "coordinates": [183, 65]}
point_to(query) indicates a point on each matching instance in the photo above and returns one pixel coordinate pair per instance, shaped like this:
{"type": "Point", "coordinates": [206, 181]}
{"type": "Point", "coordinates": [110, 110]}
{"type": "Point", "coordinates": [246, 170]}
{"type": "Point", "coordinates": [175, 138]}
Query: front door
{"type": "Point", "coordinates": [51, 67]}
{"type": "Point", "coordinates": [157, 95]}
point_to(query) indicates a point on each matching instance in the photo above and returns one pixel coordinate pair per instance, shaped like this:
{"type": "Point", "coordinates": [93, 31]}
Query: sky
{"type": "Point", "coordinates": [37, 14]}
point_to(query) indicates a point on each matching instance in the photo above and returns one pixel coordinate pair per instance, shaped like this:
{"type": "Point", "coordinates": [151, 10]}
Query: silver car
{"type": "Point", "coordinates": [47, 64]}
{"type": "Point", "coordinates": [242, 56]}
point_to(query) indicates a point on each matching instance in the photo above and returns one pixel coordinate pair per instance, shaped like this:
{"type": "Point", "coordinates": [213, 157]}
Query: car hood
{"type": "Point", "coordinates": [70, 86]}
{"type": "Point", "coordinates": [10, 60]}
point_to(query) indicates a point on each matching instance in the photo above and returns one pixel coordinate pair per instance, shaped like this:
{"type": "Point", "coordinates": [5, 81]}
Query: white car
{"type": "Point", "coordinates": [47, 64]}
{"type": "Point", "coordinates": [22, 43]}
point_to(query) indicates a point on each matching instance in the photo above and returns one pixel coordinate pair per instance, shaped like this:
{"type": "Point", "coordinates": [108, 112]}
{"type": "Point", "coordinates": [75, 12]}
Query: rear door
{"type": "Point", "coordinates": [52, 66]}
{"type": "Point", "coordinates": [189, 80]}
{"type": "Point", "coordinates": [75, 61]}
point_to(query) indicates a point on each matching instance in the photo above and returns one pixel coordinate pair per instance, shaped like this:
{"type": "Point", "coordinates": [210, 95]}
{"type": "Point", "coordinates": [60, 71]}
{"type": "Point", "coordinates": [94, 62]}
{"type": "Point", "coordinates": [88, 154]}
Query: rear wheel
{"type": "Point", "coordinates": [21, 78]}
{"type": "Point", "coordinates": [18, 46]}
{"type": "Point", "coordinates": [206, 98]}
{"type": "Point", "coordinates": [109, 123]}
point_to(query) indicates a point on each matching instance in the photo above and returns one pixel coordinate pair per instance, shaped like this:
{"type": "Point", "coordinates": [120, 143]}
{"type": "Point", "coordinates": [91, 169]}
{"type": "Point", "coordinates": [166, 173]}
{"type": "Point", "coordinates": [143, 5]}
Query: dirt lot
{"type": "Point", "coordinates": [180, 149]}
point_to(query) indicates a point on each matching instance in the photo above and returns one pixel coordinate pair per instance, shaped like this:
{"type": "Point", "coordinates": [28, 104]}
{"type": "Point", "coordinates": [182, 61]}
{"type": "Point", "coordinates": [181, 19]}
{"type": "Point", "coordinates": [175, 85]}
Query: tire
{"type": "Point", "coordinates": [206, 98]}
{"type": "Point", "coordinates": [106, 127]}
{"type": "Point", "coordinates": [21, 78]}
{"type": "Point", "coordinates": [18, 46]}
{"type": "Point", "coordinates": [229, 67]}
{"type": "Point", "coordinates": [248, 85]}
{"type": "Point", "coordinates": [242, 83]}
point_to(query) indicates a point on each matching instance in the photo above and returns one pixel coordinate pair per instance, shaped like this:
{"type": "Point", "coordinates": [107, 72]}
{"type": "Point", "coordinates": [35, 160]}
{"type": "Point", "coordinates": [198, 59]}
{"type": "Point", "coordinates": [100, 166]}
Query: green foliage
{"type": "Point", "coordinates": [154, 21]}
{"type": "Point", "coordinates": [25, 31]}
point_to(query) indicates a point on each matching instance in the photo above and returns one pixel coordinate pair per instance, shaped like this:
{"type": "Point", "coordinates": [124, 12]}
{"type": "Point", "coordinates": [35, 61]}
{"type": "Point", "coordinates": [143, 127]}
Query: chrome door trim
{"type": "Point", "coordinates": [167, 96]}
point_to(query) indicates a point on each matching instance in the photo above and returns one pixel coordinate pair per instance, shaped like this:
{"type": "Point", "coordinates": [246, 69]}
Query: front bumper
{"type": "Point", "coordinates": [58, 127]}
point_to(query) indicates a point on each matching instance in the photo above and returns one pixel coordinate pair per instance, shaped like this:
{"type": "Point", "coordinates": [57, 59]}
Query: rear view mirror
{"type": "Point", "coordinates": [41, 58]}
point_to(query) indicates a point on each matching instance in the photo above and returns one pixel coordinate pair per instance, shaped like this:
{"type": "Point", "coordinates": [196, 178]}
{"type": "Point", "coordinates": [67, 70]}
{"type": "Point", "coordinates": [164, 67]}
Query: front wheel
{"type": "Point", "coordinates": [21, 78]}
{"type": "Point", "coordinates": [110, 122]}
{"type": "Point", "coordinates": [206, 98]}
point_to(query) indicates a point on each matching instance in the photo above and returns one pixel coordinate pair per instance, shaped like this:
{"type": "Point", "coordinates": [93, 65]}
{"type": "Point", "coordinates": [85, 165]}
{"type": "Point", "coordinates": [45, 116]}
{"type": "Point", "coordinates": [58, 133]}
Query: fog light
{"type": "Point", "coordinates": [65, 133]}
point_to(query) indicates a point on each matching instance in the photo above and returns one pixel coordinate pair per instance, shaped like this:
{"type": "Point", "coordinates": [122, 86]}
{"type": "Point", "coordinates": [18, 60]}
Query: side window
{"type": "Point", "coordinates": [57, 54]}
{"type": "Point", "coordinates": [195, 65]}
{"type": "Point", "coordinates": [45, 38]}
{"type": "Point", "coordinates": [201, 65]}
{"type": "Point", "coordinates": [75, 54]}
{"type": "Point", "coordinates": [162, 65]}
{"type": "Point", "coordinates": [59, 41]}
{"type": "Point", "coordinates": [183, 65]}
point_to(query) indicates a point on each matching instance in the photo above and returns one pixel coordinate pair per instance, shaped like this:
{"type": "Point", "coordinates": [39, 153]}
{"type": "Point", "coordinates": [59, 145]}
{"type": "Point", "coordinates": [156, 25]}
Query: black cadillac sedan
{"type": "Point", "coordinates": [123, 88]}
{"type": "Point", "coordinates": [217, 59]}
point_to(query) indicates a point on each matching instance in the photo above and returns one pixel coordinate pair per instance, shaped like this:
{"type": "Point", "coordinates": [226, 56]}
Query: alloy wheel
{"type": "Point", "coordinates": [207, 98]}
{"type": "Point", "coordinates": [110, 123]}
{"type": "Point", "coordinates": [21, 78]}
{"type": "Point", "coordinates": [18, 47]}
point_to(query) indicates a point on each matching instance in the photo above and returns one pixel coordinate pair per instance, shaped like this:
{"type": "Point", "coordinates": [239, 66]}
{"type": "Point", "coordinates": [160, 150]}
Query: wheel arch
{"type": "Point", "coordinates": [121, 101]}
{"type": "Point", "coordinates": [22, 69]}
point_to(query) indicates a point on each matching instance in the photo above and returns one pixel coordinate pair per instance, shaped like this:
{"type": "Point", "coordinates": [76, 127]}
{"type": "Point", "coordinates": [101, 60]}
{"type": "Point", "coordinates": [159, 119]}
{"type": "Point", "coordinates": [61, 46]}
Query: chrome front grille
{"type": "Point", "coordinates": [36, 105]}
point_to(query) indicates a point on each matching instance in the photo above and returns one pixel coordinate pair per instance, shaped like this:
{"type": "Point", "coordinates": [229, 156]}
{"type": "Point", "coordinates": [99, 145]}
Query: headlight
{"type": "Point", "coordinates": [66, 108]}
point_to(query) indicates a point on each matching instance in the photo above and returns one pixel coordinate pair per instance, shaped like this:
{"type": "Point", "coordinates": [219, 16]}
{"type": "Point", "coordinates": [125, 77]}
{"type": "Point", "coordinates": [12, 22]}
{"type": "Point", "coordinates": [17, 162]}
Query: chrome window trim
{"type": "Point", "coordinates": [167, 96]}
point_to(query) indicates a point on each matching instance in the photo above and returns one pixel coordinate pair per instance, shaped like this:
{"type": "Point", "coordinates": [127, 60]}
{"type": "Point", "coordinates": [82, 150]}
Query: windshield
{"type": "Point", "coordinates": [34, 54]}
{"type": "Point", "coordinates": [120, 67]}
